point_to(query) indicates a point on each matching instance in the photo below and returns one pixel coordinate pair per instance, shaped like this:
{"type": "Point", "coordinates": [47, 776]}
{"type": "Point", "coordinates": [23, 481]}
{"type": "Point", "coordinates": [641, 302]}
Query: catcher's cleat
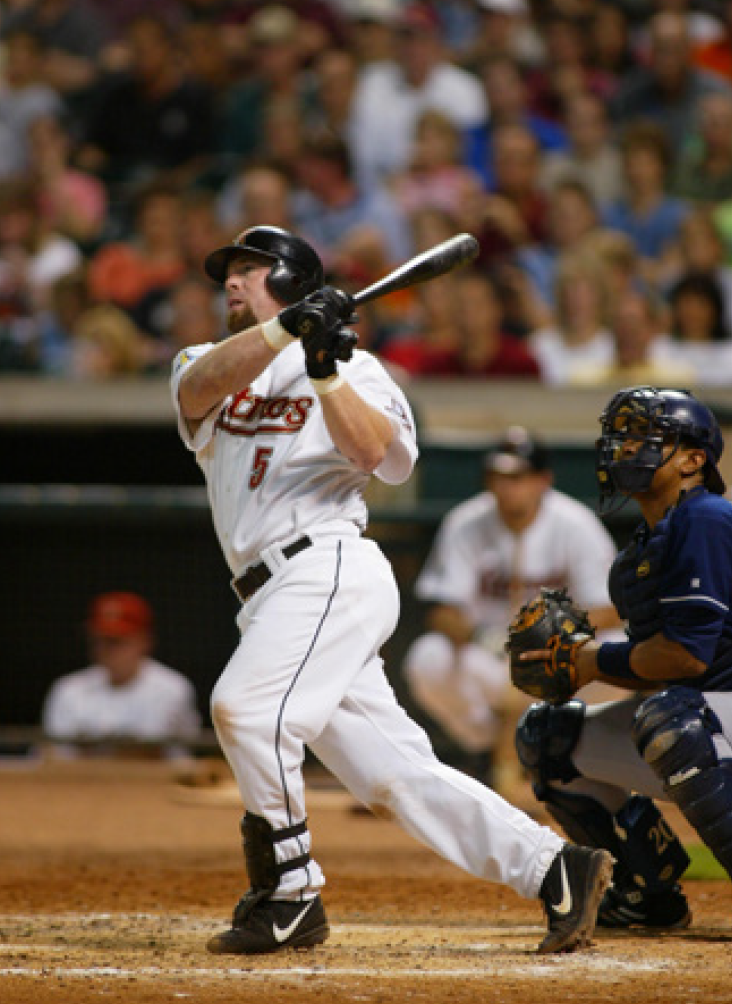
{"type": "Point", "coordinates": [571, 893]}
{"type": "Point", "coordinates": [632, 907]}
{"type": "Point", "coordinates": [261, 926]}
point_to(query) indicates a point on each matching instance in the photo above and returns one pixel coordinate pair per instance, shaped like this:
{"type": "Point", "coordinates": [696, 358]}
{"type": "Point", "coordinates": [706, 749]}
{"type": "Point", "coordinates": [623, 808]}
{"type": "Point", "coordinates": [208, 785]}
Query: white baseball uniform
{"type": "Point", "coordinates": [307, 669]}
{"type": "Point", "coordinates": [157, 703]}
{"type": "Point", "coordinates": [482, 567]}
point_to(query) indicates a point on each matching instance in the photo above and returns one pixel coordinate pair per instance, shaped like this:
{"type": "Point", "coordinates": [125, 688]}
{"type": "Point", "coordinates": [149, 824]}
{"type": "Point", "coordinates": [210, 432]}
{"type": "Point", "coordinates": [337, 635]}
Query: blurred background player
{"type": "Point", "coordinates": [490, 555]}
{"type": "Point", "coordinates": [124, 694]}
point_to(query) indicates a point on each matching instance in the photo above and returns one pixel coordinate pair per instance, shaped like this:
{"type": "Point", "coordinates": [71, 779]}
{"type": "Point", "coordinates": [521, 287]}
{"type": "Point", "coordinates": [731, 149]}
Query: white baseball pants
{"type": "Point", "coordinates": [307, 671]}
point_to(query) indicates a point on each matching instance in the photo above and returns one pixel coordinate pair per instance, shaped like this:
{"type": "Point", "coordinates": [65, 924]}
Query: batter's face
{"type": "Point", "coordinates": [248, 299]}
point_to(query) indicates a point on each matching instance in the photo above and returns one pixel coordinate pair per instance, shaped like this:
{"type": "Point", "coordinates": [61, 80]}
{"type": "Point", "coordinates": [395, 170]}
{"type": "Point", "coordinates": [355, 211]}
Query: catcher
{"type": "Point", "coordinates": [597, 769]}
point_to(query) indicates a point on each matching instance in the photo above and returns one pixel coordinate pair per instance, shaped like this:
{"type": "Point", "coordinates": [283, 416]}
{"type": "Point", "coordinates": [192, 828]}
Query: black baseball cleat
{"type": "Point", "coordinates": [632, 907]}
{"type": "Point", "coordinates": [571, 893]}
{"type": "Point", "coordinates": [261, 926]}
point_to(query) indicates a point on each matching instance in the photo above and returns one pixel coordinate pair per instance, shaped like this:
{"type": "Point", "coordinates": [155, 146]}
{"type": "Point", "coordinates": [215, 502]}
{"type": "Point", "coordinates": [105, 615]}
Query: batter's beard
{"type": "Point", "coordinates": [240, 319]}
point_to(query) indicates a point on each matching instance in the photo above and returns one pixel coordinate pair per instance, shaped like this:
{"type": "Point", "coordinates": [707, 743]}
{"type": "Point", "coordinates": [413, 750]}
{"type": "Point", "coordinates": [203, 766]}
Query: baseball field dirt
{"type": "Point", "coordinates": [113, 875]}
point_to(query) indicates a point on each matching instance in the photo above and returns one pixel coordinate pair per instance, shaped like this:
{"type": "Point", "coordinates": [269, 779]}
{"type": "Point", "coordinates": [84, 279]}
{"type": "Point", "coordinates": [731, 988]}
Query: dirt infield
{"type": "Point", "coordinates": [113, 876]}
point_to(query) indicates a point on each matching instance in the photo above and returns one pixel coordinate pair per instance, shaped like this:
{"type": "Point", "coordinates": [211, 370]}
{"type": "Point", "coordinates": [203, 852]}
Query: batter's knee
{"type": "Point", "coordinates": [546, 737]}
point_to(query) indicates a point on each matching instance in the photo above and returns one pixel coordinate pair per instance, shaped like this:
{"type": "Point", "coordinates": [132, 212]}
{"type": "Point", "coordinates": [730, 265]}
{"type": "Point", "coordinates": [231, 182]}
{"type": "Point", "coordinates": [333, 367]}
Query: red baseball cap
{"type": "Point", "coordinates": [116, 615]}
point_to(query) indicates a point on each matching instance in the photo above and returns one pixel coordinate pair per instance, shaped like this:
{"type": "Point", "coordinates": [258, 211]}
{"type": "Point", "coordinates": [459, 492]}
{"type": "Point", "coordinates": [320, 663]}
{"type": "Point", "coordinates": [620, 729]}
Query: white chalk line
{"type": "Point", "coordinates": [596, 965]}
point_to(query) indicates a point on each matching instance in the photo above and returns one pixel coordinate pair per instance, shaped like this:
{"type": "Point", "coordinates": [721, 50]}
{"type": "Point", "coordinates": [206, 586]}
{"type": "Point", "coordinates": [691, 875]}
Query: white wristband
{"type": "Point", "coordinates": [276, 336]}
{"type": "Point", "coordinates": [328, 385]}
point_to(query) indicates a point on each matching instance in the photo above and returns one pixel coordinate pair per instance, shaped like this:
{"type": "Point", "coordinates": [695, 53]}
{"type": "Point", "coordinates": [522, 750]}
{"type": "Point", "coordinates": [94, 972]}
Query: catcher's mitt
{"type": "Point", "coordinates": [551, 621]}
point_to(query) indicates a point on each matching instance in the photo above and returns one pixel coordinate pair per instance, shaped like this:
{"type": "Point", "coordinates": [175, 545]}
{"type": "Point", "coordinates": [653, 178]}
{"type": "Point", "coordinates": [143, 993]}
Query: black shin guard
{"type": "Point", "coordinates": [259, 839]}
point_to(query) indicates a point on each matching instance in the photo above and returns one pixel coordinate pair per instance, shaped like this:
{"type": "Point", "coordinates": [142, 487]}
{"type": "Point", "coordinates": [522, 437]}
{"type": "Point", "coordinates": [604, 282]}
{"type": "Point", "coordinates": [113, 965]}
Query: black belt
{"type": "Point", "coordinates": [256, 575]}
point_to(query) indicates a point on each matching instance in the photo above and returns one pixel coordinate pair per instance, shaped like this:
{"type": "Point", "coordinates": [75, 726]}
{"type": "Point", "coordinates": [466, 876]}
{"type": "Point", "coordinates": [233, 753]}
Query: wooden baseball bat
{"type": "Point", "coordinates": [435, 261]}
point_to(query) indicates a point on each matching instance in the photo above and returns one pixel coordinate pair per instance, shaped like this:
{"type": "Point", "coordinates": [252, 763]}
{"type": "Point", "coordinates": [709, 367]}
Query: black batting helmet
{"type": "Point", "coordinates": [662, 416]}
{"type": "Point", "coordinates": [296, 269]}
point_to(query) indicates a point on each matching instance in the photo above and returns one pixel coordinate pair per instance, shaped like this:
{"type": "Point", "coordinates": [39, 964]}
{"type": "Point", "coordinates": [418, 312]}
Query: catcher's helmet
{"type": "Point", "coordinates": [657, 418]}
{"type": "Point", "coordinates": [296, 268]}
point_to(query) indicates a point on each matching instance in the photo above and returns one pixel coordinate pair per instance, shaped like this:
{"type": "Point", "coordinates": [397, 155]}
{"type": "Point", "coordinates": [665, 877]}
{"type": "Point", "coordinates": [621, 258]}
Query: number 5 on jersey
{"type": "Point", "coordinates": [259, 465]}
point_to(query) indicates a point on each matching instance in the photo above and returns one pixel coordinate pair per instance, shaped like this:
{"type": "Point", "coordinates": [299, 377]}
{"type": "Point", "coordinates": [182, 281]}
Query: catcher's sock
{"type": "Point", "coordinates": [632, 907]}
{"type": "Point", "coordinates": [571, 893]}
{"type": "Point", "coordinates": [269, 925]}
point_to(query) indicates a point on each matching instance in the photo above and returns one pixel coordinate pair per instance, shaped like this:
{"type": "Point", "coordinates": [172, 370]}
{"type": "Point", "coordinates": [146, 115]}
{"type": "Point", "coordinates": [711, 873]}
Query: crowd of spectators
{"type": "Point", "coordinates": [586, 143]}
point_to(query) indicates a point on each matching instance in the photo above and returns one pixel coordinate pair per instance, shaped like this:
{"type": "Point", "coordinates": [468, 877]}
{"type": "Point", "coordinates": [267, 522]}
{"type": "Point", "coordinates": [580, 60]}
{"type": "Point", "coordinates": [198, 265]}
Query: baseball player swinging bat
{"type": "Point", "coordinates": [436, 261]}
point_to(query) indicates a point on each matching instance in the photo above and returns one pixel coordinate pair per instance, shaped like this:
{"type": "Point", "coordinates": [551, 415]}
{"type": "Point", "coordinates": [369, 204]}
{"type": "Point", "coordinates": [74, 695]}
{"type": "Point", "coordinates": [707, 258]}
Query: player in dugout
{"type": "Point", "coordinates": [288, 421]}
{"type": "Point", "coordinates": [598, 769]}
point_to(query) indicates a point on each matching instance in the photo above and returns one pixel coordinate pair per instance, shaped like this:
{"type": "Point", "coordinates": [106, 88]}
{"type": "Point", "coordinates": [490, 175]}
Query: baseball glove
{"type": "Point", "coordinates": [550, 622]}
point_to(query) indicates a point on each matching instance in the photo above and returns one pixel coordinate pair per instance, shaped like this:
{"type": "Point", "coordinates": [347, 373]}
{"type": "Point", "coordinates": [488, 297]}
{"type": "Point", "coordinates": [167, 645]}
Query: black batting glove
{"type": "Point", "coordinates": [324, 350]}
{"type": "Point", "coordinates": [318, 313]}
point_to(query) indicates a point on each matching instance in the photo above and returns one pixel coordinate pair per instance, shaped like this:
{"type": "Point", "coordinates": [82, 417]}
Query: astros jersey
{"type": "Point", "coordinates": [478, 564]}
{"type": "Point", "coordinates": [270, 464]}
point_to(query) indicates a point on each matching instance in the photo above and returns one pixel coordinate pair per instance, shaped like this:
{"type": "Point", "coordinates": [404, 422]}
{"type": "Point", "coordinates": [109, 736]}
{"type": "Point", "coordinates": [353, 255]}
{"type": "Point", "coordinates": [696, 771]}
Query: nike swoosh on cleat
{"type": "Point", "coordinates": [283, 933]}
{"type": "Point", "coordinates": [565, 903]}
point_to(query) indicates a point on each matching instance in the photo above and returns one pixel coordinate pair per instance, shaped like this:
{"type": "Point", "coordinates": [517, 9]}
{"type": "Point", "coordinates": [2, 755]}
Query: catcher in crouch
{"type": "Point", "coordinates": [597, 769]}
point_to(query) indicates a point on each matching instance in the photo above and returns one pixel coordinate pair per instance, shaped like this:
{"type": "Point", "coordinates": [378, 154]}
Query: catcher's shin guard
{"type": "Point", "coordinates": [648, 854]}
{"type": "Point", "coordinates": [675, 734]}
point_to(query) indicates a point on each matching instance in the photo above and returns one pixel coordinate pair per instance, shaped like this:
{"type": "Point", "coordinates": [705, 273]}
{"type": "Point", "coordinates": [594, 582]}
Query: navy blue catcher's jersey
{"type": "Point", "coordinates": [677, 579]}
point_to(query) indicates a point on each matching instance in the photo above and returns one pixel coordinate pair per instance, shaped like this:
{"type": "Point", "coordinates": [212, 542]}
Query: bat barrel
{"type": "Point", "coordinates": [430, 264]}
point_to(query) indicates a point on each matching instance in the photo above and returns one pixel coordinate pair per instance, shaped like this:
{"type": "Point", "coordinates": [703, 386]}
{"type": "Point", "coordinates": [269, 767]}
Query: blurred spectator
{"type": "Point", "coordinates": [572, 216]}
{"type": "Point", "coordinates": [333, 94]}
{"type": "Point", "coordinates": [611, 49]}
{"type": "Point", "coordinates": [68, 300]}
{"type": "Point", "coordinates": [701, 336]}
{"type": "Point", "coordinates": [704, 167]}
{"type": "Point", "coordinates": [200, 226]}
{"type": "Point", "coordinates": [715, 55]}
{"type": "Point", "coordinates": [192, 312]}
{"type": "Point", "coordinates": [700, 250]}
{"type": "Point", "coordinates": [24, 97]}
{"type": "Point", "coordinates": [150, 122]}
{"type": "Point", "coordinates": [260, 194]}
{"type": "Point", "coordinates": [71, 201]}
{"type": "Point", "coordinates": [129, 273]}
{"type": "Point", "coordinates": [698, 310]}
{"type": "Point", "coordinates": [390, 96]}
{"type": "Point", "coordinates": [642, 352]}
{"type": "Point", "coordinates": [580, 337]}
{"type": "Point", "coordinates": [506, 99]}
{"type": "Point", "coordinates": [275, 77]}
{"type": "Point", "coordinates": [667, 89]}
{"type": "Point", "coordinates": [485, 349]}
{"type": "Point", "coordinates": [73, 34]}
{"type": "Point", "coordinates": [106, 344]}
{"type": "Point", "coordinates": [372, 26]}
{"type": "Point", "coordinates": [649, 216]}
{"type": "Point", "coordinates": [435, 175]}
{"type": "Point", "coordinates": [431, 341]}
{"type": "Point", "coordinates": [593, 157]}
{"type": "Point", "coordinates": [617, 258]}
{"type": "Point", "coordinates": [565, 69]}
{"type": "Point", "coordinates": [515, 212]}
{"type": "Point", "coordinates": [32, 254]}
{"type": "Point", "coordinates": [124, 694]}
{"type": "Point", "coordinates": [328, 202]}
{"type": "Point", "coordinates": [504, 27]}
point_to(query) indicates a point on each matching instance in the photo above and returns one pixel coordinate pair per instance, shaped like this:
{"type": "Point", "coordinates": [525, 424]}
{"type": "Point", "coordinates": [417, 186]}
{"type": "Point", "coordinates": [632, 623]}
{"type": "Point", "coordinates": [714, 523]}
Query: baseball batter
{"type": "Point", "coordinates": [491, 554]}
{"type": "Point", "coordinates": [598, 769]}
{"type": "Point", "coordinates": [287, 437]}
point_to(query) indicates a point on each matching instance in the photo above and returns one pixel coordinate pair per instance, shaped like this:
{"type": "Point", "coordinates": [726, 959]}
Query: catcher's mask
{"type": "Point", "coordinates": [655, 418]}
{"type": "Point", "coordinates": [296, 269]}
